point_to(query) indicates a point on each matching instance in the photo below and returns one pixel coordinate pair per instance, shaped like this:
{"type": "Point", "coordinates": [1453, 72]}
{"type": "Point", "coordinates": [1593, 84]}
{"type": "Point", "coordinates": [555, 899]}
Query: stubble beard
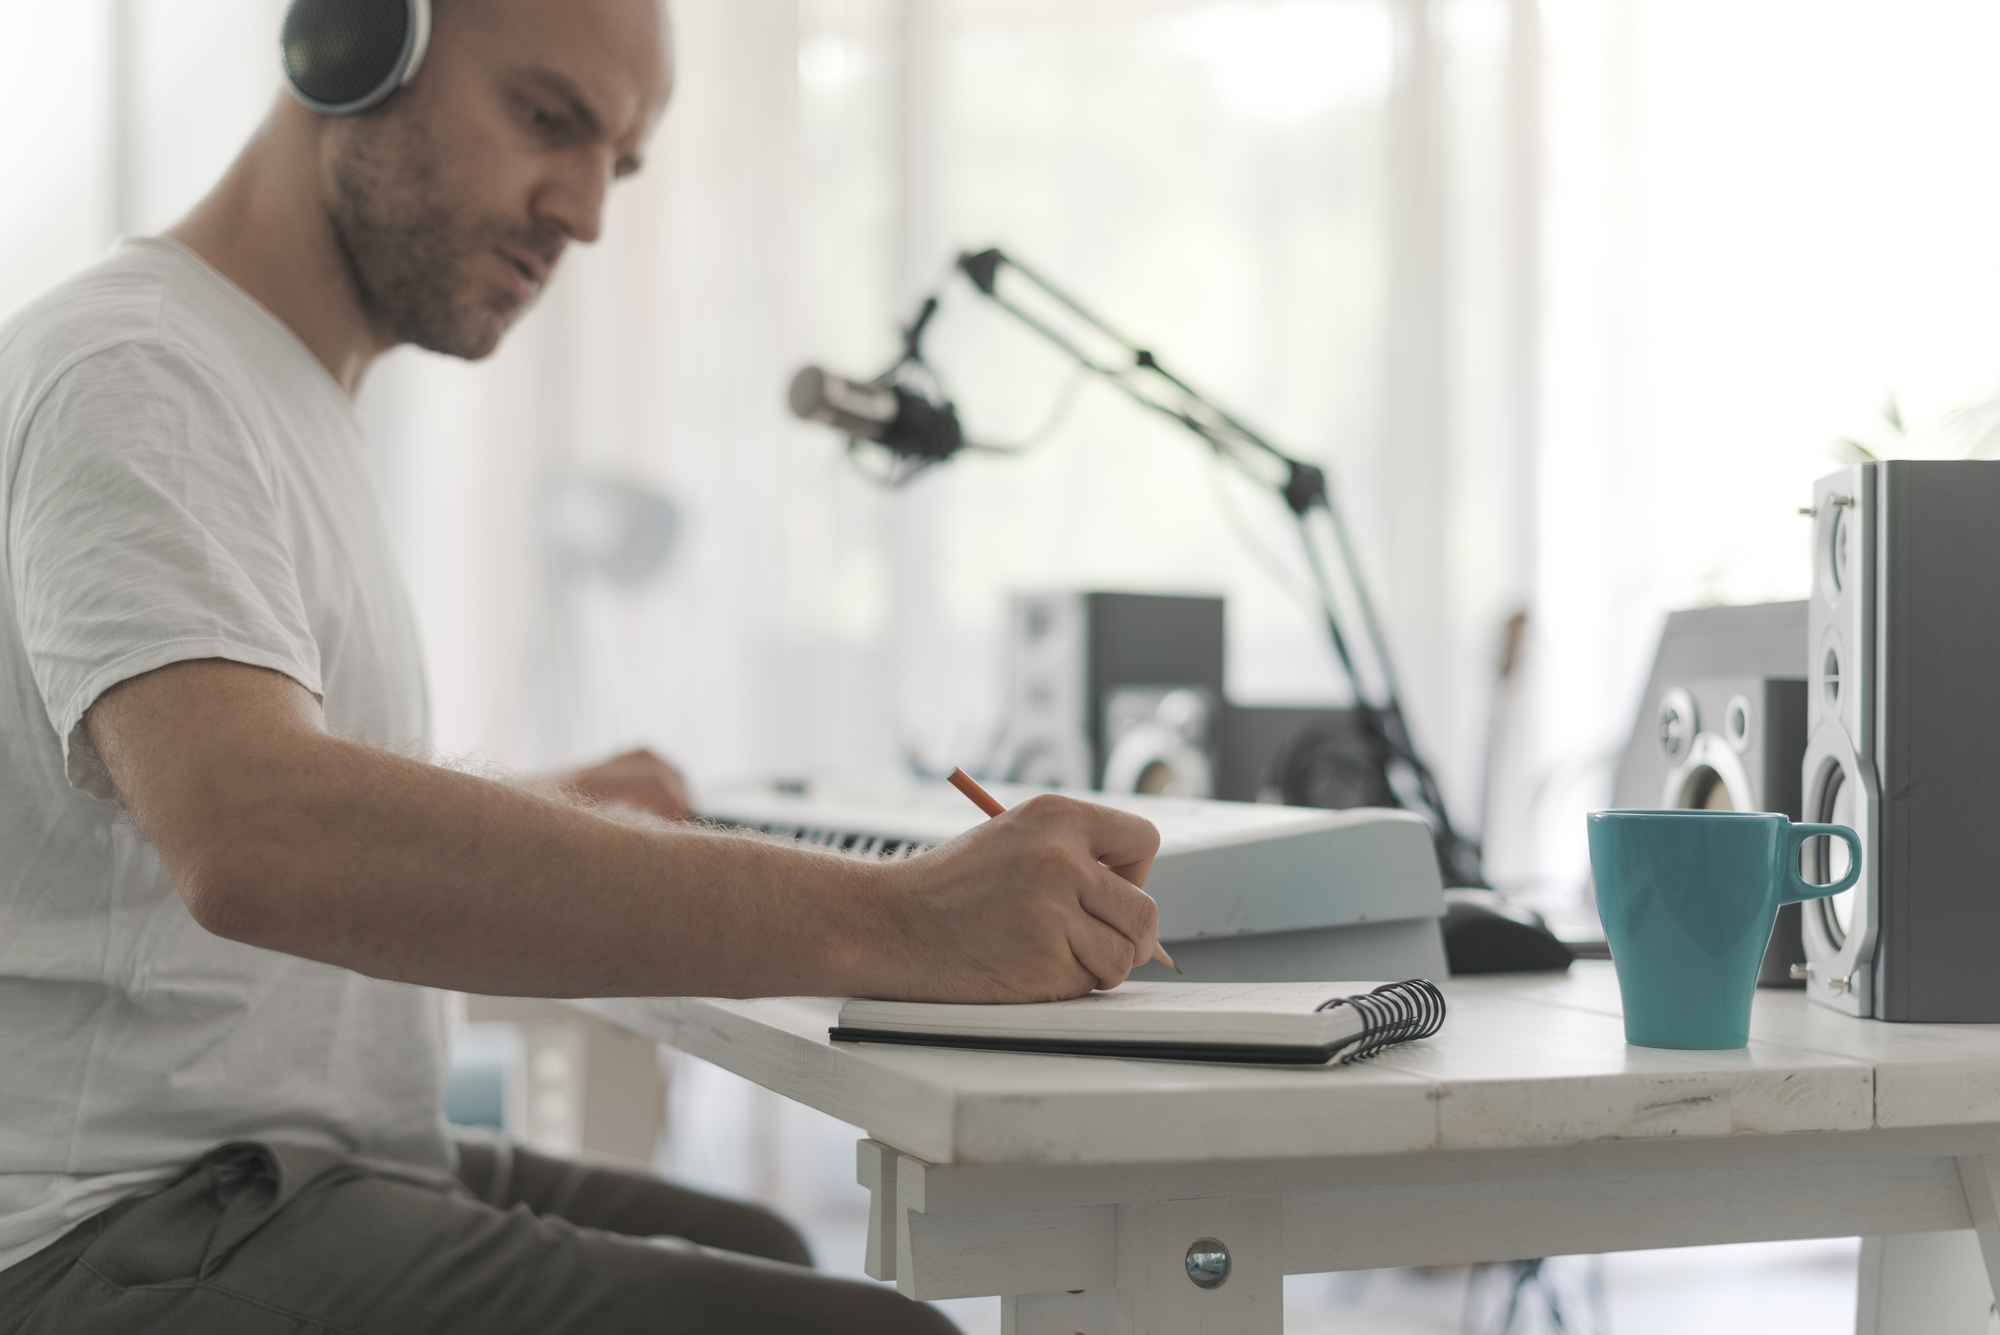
{"type": "Point", "coordinates": [407, 244]}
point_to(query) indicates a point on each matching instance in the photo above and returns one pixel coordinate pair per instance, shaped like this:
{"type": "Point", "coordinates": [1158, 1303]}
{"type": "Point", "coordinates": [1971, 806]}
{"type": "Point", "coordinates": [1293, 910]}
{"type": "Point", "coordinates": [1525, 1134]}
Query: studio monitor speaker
{"type": "Point", "coordinates": [1732, 744]}
{"type": "Point", "coordinates": [1903, 739]}
{"type": "Point", "coordinates": [1089, 670]}
{"type": "Point", "coordinates": [1705, 644]}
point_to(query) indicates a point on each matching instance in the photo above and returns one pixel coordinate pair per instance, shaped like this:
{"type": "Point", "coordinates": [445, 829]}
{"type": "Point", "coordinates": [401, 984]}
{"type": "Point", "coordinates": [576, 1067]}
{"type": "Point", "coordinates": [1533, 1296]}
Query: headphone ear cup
{"type": "Point", "coordinates": [344, 56]}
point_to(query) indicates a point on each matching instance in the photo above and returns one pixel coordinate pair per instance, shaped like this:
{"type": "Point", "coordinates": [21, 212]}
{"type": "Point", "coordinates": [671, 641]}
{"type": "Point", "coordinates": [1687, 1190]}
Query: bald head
{"type": "Point", "coordinates": [452, 201]}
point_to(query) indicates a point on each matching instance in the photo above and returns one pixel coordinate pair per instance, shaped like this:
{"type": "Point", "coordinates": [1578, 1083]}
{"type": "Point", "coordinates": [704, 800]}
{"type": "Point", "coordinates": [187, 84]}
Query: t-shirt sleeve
{"type": "Point", "coordinates": [145, 527]}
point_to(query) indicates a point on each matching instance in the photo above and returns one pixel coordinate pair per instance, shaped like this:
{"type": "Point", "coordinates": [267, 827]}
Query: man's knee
{"type": "Point", "coordinates": [630, 1202]}
{"type": "Point", "coordinates": [901, 1316]}
{"type": "Point", "coordinates": [735, 1292]}
{"type": "Point", "coordinates": [761, 1232]}
{"type": "Point", "coordinates": [870, 1309]}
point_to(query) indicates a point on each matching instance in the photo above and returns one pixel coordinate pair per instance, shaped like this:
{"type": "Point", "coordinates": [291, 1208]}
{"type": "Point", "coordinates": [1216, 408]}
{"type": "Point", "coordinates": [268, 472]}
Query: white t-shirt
{"type": "Point", "coordinates": [179, 479]}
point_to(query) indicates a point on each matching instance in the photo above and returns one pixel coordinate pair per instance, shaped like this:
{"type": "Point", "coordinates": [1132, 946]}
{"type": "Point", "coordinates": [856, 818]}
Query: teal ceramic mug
{"type": "Point", "coordinates": [1688, 899]}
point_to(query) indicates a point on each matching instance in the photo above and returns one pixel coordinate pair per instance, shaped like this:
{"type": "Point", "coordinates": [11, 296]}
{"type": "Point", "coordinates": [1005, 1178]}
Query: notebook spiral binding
{"type": "Point", "coordinates": [1393, 1013]}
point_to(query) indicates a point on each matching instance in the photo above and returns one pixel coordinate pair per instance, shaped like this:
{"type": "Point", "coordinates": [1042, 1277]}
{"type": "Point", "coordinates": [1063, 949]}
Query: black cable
{"type": "Point", "coordinates": [899, 472]}
{"type": "Point", "coordinates": [1057, 415]}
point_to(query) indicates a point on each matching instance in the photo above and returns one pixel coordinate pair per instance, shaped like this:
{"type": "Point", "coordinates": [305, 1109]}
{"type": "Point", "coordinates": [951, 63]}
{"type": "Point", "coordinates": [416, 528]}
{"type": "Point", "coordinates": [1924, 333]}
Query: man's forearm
{"type": "Point", "coordinates": [281, 836]}
{"type": "Point", "coordinates": [408, 871]}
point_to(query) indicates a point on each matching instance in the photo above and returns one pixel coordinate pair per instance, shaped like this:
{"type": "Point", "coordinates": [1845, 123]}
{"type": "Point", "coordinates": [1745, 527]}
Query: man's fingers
{"type": "Point", "coordinates": [1123, 842]}
{"type": "Point", "coordinates": [1125, 909]}
{"type": "Point", "coordinates": [1120, 840]}
{"type": "Point", "coordinates": [1104, 952]}
{"type": "Point", "coordinates": [1041, 901]}
{"type": "Point", "coordinates": [1120, 847]}
{"type": "Point", "coordinates": [637, 779]}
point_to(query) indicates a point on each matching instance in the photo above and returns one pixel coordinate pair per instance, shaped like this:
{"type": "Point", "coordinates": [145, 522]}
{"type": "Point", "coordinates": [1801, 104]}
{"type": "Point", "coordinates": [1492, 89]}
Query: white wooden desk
{"type": "Point", "coordinates": [1075, 1187]}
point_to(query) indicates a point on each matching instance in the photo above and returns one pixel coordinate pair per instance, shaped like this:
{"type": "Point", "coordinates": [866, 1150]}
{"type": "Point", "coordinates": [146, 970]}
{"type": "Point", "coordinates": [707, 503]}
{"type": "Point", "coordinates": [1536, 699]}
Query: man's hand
{"type": "Point", "coordinates": [1040, 903]}
{"type": "Point", "coordinates": [637, 779]}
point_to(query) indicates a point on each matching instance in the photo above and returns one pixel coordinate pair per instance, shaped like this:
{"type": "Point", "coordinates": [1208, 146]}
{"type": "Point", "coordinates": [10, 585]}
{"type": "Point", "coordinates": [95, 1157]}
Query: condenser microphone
{"type": "Point", "coordinates": [900, 420]}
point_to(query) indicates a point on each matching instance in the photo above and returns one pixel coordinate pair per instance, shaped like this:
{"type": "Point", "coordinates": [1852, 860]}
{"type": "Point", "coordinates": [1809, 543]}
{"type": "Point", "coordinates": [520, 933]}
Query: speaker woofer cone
{"type": "Point", "coordinates": [1826, 859]}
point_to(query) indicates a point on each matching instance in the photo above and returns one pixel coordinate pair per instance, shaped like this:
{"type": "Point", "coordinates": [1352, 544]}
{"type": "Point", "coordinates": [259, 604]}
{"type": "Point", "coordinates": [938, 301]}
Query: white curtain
{"type": "Point", "coordinates": [1763, 221]}
{"type": "Point", "coordinates": [1194, 171]}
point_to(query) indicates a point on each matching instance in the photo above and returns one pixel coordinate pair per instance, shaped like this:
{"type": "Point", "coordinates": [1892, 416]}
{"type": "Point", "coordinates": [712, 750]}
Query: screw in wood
{"type": "Point", "coordinates": [1207, 1263]}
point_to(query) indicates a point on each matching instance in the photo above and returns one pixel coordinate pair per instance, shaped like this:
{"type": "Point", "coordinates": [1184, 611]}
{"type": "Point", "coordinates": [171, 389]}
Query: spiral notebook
{"type": "Point", "coordinates": [1288, 1024]}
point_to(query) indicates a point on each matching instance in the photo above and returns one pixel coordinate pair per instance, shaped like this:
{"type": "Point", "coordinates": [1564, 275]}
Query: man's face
{"type": "Point", "coordinates": [452, 202]}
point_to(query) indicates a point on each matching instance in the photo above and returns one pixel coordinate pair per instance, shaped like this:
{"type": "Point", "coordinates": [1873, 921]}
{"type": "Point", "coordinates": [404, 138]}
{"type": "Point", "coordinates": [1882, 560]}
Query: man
{"type": "Point", "coordinates": [225, 883]}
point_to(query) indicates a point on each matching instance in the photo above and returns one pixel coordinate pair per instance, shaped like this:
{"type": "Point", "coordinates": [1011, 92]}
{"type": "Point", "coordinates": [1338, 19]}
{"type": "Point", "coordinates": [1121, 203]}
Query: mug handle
{"type": "Point", "coordinates": [1799, 890]}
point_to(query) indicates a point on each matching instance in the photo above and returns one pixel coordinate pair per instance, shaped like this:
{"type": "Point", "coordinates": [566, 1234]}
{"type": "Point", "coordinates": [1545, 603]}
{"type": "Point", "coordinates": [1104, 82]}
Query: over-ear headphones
{"type": "Point", "coordinates": [344, 56]}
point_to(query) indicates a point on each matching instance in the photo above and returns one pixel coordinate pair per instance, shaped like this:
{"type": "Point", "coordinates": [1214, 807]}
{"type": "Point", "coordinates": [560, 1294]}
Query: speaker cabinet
{"type": "Point", "coordinates": [1072, 655]}
{"type": "Point", "coordinates": [1839, 775]}
{"type": "Point", "coordinates": [1161, 741]}
{"type": "Point", "coordinates": [1302, 755]}
{"type": "Point", "coordinates": [1732, 744]}
{"type": "Point", "coordinates": [1903, 736]}
{"type": "Point", "coordinates": [1706, 645]}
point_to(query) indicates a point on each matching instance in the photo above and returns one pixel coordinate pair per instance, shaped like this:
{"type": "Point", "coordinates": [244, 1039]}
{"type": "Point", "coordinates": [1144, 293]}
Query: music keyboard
{"type": "Point", "coordinates": [1244, 889]}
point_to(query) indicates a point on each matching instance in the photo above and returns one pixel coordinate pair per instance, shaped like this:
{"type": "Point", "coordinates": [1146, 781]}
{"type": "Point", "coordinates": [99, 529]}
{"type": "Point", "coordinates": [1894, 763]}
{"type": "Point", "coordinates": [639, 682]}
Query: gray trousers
{"type": "Point", "coordinates": [269, 1239]}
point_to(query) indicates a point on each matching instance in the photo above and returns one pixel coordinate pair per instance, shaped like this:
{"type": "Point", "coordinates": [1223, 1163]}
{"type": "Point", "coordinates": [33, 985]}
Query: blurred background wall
{"type": "Point", "coordinates": [1574, 298]}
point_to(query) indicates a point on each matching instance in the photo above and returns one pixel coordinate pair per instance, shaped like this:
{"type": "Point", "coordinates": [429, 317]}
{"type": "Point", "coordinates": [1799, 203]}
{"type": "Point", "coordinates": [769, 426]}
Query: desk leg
{"type": "Point", "coordinates": [1085, 1312]}
{"type": "Point", "coordinates": [1980, 1176]}
{"type": "Point", "coordinates": [1923, 1284]}
{"type": "Point", "coordinates": [875, 1169]}
{"type": "Point", "coordinates": [1155, 1294]}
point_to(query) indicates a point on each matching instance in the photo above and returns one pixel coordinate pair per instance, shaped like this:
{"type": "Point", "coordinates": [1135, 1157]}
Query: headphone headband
{"type": "Point", "coordinates": [344, 56]}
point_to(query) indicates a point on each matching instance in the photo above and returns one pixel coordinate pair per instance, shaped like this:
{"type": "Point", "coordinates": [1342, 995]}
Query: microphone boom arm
{"type": "Point", "coordinates": [1303, 488]}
